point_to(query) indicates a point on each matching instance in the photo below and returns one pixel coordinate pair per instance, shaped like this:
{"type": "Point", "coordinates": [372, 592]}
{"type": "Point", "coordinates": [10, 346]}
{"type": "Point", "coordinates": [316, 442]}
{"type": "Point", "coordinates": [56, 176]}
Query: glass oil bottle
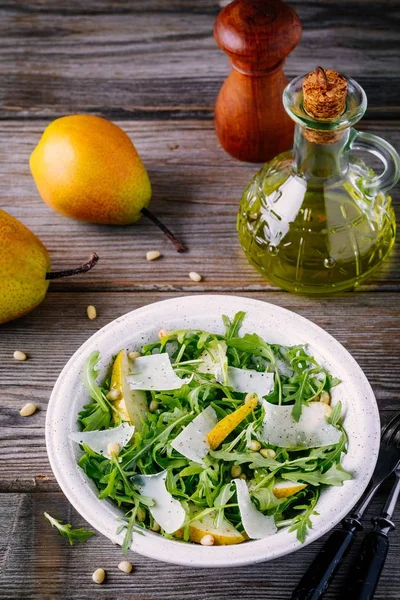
{"type": "Point", "coordinates": [316, 219]}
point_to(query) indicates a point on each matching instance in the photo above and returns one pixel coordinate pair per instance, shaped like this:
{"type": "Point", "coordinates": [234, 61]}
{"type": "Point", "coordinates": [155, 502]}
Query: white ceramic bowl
{"type": "Point", "coordinates": [275, 325]}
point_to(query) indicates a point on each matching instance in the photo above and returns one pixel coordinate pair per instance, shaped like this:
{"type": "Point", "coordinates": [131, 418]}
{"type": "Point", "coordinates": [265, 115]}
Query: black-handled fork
{"type": "Point", "coordinates": [317, 578]}
{"type": "Point", "coordinates": [371, 559]}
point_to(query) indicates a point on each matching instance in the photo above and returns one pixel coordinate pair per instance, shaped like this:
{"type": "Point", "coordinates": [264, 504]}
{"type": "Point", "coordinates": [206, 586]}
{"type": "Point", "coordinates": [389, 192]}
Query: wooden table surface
{"type": "Point", "coordinates": [154, 68]}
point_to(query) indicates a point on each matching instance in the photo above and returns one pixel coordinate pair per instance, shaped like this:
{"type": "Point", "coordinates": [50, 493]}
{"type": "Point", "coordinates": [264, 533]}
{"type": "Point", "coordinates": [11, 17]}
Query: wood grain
{"type": "Point", "coordinates": [196, 191]}
{"type": "Point", "coordinates": [155, 68]}
{"type": "Point", "coordinates": [367, 324]}
{"type": "Point", "coordinates": [159, 59]}
{"type": "Point", "coordinates": [38, 564]}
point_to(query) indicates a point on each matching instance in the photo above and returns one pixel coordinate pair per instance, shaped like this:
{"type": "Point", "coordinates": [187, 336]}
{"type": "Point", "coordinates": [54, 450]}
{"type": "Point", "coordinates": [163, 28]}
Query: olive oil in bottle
{"type": "Point", "coordinates": [317, 220]}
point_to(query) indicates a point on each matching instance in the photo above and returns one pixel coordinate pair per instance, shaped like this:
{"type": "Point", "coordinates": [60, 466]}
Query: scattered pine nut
{"type": "Point", "coordinates": [207, 540]}
{"type": "Point", "coordinates": [91, 312]}
{"type": "Point", "coordinates": [268, 453]}
{"type": "Point", "coordinates": [254, 446]}
{"type": "Point", "coordinates": [163, 333]}
{"type": "Point", "coordinates": [113, 449]}
{"type": "Point", "coordinates": [155, 527]}
{"type": "Point", "coordinates": [125, 566]}
{"type": "Point", "coordinates": [113, 395]}
{"type": "Point", "coordinates": [153, 255]}
{"type": "Point", "coordinates": [141, 514]}
{"type": "Point", "coordinates": [236, 471]}
{"type": "Point", "coordinates": [99, 575]}
{"type": "Point", "coordinates": [325, 397]}
{"type": "Point", "coordinates": [153, 406]}
{"type": "Point", "coordinates": [28, 410]}
{"type": "Point", "coordinates": [132, 355]}
{"type": "Point", "coordinates": [18, 355]}
{"type": "Point", "coordinates": [195, 276]}
{"type": "Point", "coordinates": [242, 476]}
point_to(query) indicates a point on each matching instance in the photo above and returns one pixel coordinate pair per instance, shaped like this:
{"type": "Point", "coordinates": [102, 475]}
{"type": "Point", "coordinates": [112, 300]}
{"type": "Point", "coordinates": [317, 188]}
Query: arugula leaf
{"type": "Point", "coordinates": [253, 344]}
{"type": "Point", "coordinates": [335, 415]}
{"type": "Point", "coordinates": [301, 523]}
{"type": "Point", "coordinates": [93, 418]}
{"type": "Point", "coordinates": [89, 378]}
{"type": "Point", "coordinates": [98, 414]}
{"type": "Point", "coordinates": [254, 458]}
{"type": "Point", "coordinates": [232, 327]}
{"type": "Point", "coordinates": [223, 498]}
{"type": "Point", "coordinates": [336, 475]}
{"type": "Point", "coordinates": [73, 535]}
{"type": "Point", "coordinates": [265, 497]}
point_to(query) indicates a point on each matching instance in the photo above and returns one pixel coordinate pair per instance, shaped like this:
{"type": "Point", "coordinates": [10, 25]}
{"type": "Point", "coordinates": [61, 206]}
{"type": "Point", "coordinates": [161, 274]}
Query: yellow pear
{"type": "Point", "coordinates": [131, 404]}
{"type": "Point", "coordinates": [224, 535]}
{"type": "Point", "coordinates": [24, 269]}
{"type": "Point", "coordinates": [87, 168]}
{"type": "Point", "coordinates": [284, 489]}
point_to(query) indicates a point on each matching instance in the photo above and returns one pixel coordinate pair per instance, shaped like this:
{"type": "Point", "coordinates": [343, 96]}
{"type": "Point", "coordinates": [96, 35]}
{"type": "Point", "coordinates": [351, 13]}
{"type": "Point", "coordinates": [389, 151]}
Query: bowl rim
{"type": "Point", "coordinates": [101, 514]}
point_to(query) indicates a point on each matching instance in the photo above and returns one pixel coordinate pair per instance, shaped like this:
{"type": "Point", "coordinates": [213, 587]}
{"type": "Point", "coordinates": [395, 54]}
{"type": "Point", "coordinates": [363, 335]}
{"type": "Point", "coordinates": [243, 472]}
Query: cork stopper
{"type": "Point", "coordinates": [324, 98]}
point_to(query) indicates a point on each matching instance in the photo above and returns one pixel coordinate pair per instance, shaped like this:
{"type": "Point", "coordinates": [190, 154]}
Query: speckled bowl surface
{"type": "Point", "coordinates": [275, 325]}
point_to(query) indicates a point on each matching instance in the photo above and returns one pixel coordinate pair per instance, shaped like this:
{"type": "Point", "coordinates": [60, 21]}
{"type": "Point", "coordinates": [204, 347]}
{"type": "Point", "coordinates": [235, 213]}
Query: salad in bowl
{"type": "Point", "coordinates": [212, 438]}
{"type": "Point", "coordinates": [208, 440]}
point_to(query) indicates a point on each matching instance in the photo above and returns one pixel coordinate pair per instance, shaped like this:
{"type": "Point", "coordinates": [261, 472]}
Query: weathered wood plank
{"type": "Point", "coordinates": [367, 324]}
{"type": "Point", "coordinates": [196, 190]}
{"type": "Point", "coordinates": [123, 60]}
{"type": "Point", "coordinates": [38, 564]}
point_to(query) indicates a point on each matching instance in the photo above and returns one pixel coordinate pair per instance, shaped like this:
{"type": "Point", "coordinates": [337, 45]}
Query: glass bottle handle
{"type": "Point", "coordinates": [359, 140]}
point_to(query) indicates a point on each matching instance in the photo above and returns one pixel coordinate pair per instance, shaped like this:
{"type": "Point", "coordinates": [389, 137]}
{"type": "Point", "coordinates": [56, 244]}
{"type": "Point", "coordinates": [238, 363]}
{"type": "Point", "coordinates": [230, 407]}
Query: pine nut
{"type": "Point", "coordinates": [163, 333]}
{"type": "Point", "coordinates": [254, 446]}
{"type": "Point", "coordinates": [91, 312]}
{"type": "Point", "coordinates": [325, 397]}
{"type": "Point", "coordinates": [153, 255]}
{"type": "Point", "coordinates": [113, 449]}
{"type": "Point", "coordinates": [132, 355]}
{"type": "Point", "coordinates": [242, 476]}
{"type": "Point", "coordinates": [28, 410]}
{"type": "Point", "coordinates": [99, 575]}
{"type": "Point", "coordinates": [155, 527]}
{"type": "Point", "coordinates": [18, 355]}
{"type": "Point", "coordinates": [207, 540]}
{"type": "Point", "coordinates": [153, 406]}
{"type": "Point", "coordinates": [268, 453]}
{"type": "Point", "coordinates": [249, 397]}
{"type": "Point", "coordinates": [236, 471]}
{"type": "Point", "coordinates": [125, 566]}
{"type": "Point", "coordinates": [141, 514]}
{"type": "Point", "coordinates": [113, 395]}
{"type": "Point", "coordinates": [195, 276]}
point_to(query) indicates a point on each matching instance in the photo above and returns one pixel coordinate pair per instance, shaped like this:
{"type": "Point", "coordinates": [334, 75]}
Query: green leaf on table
{"type": "Point", "coordinates": [73, 535]}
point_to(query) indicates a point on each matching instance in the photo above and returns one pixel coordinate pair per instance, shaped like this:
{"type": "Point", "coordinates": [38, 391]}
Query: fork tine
{"type": "Point", "coordinates": [391, 429]}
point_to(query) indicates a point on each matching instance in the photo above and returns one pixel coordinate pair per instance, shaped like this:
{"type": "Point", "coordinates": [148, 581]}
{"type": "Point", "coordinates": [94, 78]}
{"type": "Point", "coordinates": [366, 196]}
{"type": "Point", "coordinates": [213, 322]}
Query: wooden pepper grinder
{"type": "Point", "coordinates": [257, 35]}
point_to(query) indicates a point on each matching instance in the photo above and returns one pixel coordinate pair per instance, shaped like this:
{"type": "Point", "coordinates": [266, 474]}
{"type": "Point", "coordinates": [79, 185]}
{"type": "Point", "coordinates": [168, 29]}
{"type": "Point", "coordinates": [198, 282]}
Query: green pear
{"type": "Point", "coordinates": [24, 269]}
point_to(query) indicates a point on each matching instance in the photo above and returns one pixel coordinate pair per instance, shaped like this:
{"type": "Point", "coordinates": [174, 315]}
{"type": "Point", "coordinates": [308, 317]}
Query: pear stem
{"type": "Point", "coordinates": [179, 247]}
{"type": "Point", "coordinates": [93, 258]}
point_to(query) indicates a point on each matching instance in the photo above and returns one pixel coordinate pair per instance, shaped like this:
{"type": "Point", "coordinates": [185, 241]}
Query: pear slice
{"type": "Point", "coordinates": [225, 535]}
{"type": "Point", "coordinates": [284, 489]}
{"type": "Point", "coordinates": [132, 404]}
{"type": "Point", "coordinates": [224, 427]}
